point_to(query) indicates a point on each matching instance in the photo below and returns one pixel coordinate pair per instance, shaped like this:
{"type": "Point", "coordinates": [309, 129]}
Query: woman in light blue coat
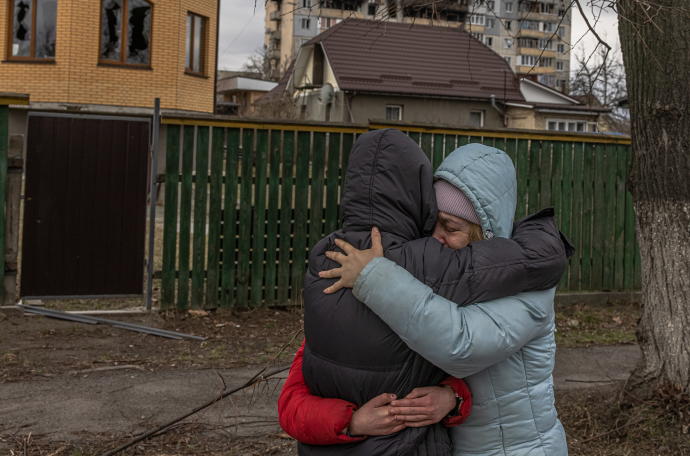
{"type": "Point", "coordinates": [504, 349]}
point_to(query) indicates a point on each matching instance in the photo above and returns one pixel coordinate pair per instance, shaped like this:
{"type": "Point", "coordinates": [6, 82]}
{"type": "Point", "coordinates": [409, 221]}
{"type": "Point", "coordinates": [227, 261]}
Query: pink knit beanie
{"type": "Point", "coordinates": [453, 201]}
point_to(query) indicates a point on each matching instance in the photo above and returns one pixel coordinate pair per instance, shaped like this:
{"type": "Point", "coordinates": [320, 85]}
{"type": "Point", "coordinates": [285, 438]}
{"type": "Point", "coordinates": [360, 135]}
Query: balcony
{"type": "Point", "coordinates": [522, 69]}
{"type": "Point", "coordinates": [537, 52]}
{"type": "Point", "coordinates": [470, 28]}
{"type": "Point", "coordinates": [336, 13]}
{"type": "Point", "coordinates": [525, 33]}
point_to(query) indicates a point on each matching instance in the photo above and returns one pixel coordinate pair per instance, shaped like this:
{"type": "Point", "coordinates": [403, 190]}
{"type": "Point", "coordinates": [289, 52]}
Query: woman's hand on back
{"type": "Point", "coordinates": [375, 418]}
{"type": "Point", "coordinates": [424, 406]}
{"type": "Point", "coordinates": [352, 262]}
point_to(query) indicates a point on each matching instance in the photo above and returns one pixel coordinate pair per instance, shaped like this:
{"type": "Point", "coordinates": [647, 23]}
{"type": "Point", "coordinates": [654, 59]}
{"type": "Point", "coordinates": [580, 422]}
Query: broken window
{"type": "Point", "coordinates": [195, 43]}
{"type": "Point", "coordinates": [126, 31]}
{"type": "Point", "coordinates": [33, 28]}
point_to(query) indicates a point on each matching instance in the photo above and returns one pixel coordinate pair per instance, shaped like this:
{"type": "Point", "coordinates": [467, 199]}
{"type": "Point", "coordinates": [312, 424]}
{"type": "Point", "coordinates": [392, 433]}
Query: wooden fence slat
{"type": "Point", "coordinates": [332, 176]}
{"type": "Point", "coordinates": [345, 149]}
{"type": "Point", "coordinates": [449, 146]}
{"type": "Point", "coordinates": [246, 201]}
{"type": "Point", "coordinates": [546, 167]}
{"type": "Point", "coordinates": [437, 156]}
{"type": "Point", "coordinates": [425, 144]}
{"type": "Point", "coordinates": [522, 166]}
{"type": "Point", "coordinates": [272, 227]}
{"type": "Point", "coordinates": [416, 136]}
{"type": "Point", "coordinates": [565, 204]}
{"type": "Point", "coordinates": [599, 218]}
{"type": "Point", "coordinates": [610, 229]}
{"type": "Point", "coordinates": [229, 241]}
{"type": "Point", "coordinates": [318, 159]}
{"type": "Point", "coordinates": [287, 183]}
{"type": "Point", "coordinates": [629, 237]}
{"type": "Point", "coordinates": [556, 200]}
{"type": "Point", "coordinates": [619, 236]}
{"type": "Point", "coordinates": [587, 214]}
{"type": "Point", "coordinates": [557, 188]}
{"type": "Point", "coordinates": [258, 235]}
{"type": "Point", "coordinates": [534, 178]}
{"type": "Point", "coordinates": [185, 218]}
{"type": "Point", "coordinates": [299, 251]}
{"type": "Point", "coordinates": [200, 211]}
{"type": "Point", "coordinates": [172, 166]}
{"type": "Point", "coordinates": [505, 145]}
{"type": "Point", "coordinates": [576, 223]}
{"type": "Point", "coordinates": [214, 219]}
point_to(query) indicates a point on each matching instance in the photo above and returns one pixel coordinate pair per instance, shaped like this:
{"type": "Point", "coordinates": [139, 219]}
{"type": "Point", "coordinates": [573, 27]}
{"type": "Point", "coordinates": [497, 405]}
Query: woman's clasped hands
{"type": "Point", "coordinates": [384, 414]}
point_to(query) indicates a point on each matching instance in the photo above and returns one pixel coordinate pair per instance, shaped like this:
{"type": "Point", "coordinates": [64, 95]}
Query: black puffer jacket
{"type": "Point", "coordinates": [350, 352]}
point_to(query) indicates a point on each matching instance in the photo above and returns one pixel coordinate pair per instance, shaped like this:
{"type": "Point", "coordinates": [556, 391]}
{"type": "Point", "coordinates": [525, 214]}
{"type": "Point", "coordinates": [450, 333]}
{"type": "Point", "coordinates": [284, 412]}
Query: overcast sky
{"type": "Point", "coordinates": [242, 31]}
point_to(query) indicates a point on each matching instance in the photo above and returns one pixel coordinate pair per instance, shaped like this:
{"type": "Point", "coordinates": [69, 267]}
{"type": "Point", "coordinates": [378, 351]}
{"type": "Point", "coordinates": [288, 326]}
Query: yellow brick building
{"type": "Point", "coordinates": [110, 52]}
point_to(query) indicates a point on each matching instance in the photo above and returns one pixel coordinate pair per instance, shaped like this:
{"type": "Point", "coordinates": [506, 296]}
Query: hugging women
{"type": "Point", "coordinates": [451, 289]}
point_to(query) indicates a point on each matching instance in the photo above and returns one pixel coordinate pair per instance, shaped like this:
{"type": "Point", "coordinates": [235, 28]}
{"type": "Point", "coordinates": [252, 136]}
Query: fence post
{"type": "Point", "coordinates": [9, 209]}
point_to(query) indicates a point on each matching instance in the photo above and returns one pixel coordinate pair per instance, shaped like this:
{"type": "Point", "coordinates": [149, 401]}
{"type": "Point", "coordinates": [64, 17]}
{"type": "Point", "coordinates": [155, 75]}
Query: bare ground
{"type": "Point", "coordinates": [132, 382]}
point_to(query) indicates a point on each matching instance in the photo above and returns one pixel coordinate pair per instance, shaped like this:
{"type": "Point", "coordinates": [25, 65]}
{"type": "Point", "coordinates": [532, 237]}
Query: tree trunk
{"type": "Point", "coordinates": [655, 40]}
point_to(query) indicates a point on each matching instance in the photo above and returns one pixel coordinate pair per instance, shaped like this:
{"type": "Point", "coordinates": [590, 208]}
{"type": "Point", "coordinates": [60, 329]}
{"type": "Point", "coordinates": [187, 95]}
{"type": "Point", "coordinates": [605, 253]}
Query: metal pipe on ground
{"type": "Point", "coordinates": [114, 323]}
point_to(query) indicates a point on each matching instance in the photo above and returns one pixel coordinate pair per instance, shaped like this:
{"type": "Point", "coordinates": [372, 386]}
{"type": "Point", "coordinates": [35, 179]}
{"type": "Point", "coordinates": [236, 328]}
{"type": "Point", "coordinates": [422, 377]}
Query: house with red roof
{"type": "Point", "coordinates": [361, 71]}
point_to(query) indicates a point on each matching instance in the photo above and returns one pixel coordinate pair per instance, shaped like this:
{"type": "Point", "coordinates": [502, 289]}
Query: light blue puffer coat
{"type": "Point", "coordinates": [505, 348]}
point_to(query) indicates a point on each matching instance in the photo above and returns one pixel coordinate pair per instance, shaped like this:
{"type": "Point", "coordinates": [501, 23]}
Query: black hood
{"type": "Point", "coordinates": [389, 184]}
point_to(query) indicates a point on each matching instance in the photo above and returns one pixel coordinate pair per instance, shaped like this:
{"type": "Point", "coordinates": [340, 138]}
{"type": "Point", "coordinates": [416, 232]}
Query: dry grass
{"type": "Point", "coordinates": [612, 421]}
{"type": "Point", "coordinates": [581, 325]}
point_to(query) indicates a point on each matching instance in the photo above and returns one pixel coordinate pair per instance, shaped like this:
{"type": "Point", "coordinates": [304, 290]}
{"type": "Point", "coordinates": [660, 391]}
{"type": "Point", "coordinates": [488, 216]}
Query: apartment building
{"type": "Point", "coordinates": [532, 35]}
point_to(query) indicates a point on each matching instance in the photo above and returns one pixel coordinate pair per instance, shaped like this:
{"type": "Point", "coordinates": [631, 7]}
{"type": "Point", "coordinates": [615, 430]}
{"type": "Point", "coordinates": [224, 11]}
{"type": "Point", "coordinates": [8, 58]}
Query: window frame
{"type": "Point", "coordinates": [189, 70]}
{"type": "Point", "coordinates": [123, 40]}
{"type": "Point", "coordinates": [567, 123]}
{"type": "Point", "coordinates": [482, 117]}
{"type": "Point", "coordinates": [400, 112]}
{"type": "Point", "coordinates": [10, 27]}
{"type": "Point", "coordinates": [477, 19]}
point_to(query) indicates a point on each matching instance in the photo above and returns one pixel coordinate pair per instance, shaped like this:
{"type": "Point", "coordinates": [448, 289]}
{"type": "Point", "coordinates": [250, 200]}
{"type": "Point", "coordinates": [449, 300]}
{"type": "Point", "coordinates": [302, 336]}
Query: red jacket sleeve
{"type": "Point", "coordinates": [462, 391]}
{"type": "Point", "coordinates": [308, 418]}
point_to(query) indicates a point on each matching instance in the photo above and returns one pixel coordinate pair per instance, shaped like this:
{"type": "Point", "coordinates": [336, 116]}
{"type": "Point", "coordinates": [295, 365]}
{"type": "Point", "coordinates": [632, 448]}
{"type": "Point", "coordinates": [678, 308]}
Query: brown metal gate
{"type": "Point", "coordinates": [85, 206]}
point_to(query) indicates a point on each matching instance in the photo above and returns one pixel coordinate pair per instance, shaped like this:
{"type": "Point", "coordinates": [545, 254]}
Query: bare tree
{"type": "Point", "coordinates": [600, 78]}
{"type": "Point", "coordinates": [654, 36]}
{"type": "Point", "coordinates": [261, 64]}
{"type": "Point", "coordinates": [277, 106]}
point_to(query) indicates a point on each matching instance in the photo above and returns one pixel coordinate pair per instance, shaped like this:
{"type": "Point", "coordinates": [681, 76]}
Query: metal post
{"type": "Point", "coordinates": [153, 198]}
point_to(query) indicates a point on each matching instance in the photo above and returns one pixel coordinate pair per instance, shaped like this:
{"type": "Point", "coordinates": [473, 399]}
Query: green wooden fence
{"type": "Point", "coordinates": [244, 203]}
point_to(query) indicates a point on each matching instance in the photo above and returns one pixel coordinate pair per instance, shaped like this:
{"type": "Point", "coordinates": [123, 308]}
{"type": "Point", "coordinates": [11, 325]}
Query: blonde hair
{"type": "Point", "coordinates": [476, 232]}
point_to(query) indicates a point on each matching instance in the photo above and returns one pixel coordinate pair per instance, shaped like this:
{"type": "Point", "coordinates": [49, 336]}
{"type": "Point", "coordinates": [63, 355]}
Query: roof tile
{"type": "Point", "coordinates": [391, 57]}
